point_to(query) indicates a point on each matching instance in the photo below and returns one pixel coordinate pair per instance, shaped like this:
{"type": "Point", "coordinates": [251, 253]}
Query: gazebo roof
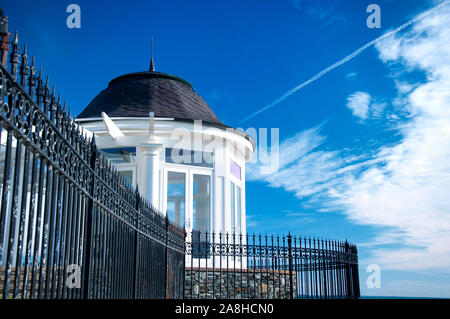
{"type": "Point", "coordinates": [138, 94]}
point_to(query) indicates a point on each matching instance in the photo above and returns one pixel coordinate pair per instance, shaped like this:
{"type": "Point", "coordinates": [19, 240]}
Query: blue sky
{"type": "Point", "coordinates": [364, 149]}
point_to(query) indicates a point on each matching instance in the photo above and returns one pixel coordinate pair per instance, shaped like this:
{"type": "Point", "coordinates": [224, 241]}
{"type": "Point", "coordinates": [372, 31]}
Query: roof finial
{"type": "Point", "coordinates": [152, 64]}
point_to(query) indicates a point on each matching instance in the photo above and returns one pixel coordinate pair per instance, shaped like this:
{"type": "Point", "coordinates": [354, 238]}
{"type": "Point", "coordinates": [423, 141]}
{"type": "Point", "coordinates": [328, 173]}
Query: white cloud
{"type": "Point", "coordinates": [410, 192]}
{"type": "Point", "coordinates": [322, 9]}
{"type": "Point", "coordinates": [402, 188]}
{"type": "Point", "coordinates": [351, 75]}
{"type": "Point", "coordinates": [292, 149]}
{"type": "Point", "coordinates": [359, 103]}
{"type": "Point", "coordinates": [364, 106]}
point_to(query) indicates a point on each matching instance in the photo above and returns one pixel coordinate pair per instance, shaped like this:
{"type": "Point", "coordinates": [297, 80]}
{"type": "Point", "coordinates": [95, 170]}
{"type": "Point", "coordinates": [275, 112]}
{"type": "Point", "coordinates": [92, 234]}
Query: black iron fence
{"type": "Point", "coordinates": [70, 226]}
{"type": "Point", "coordinates": [262, 266]}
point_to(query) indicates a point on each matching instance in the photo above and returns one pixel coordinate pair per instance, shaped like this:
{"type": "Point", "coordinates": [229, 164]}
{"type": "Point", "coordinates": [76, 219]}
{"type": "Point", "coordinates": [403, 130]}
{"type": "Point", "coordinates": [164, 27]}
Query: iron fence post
{"type": "Point", "coordinates": [291, 288]}
{"type": "Point", "coordinates": [184, 264]}
{"type": "Point", "coordinates": [136, 248]}
{"type": "Point", "coordinates": [89, 226]}
{"type": "Point", "coordinates": [355, 272]}
{"type": "Point", "coordinates": [348, 270]}
{"type": "Point", "coordinates": [166, 263]}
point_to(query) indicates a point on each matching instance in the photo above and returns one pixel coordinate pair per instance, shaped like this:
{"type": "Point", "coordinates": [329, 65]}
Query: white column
{"type": "Point", "coordinates": [149, 172]}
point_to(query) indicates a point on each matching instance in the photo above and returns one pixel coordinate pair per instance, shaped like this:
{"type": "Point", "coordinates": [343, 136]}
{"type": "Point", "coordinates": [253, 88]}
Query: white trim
{"type": "Point", "coordinates": [113, 129]}
{"type": "Point", "coordinates": [137, 128]}
{"type": "Point", "coordinates": [91, 119]}
{"type": "Point", "coordinates": [186, 166]}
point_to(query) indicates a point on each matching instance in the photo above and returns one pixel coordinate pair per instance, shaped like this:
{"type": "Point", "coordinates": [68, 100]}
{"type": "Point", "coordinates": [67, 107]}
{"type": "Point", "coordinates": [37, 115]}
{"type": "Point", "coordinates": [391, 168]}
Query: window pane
{"type": "Point", "coordinates": [189, 157]}
{"type": "Point", "coordinates": [120, 155]}
{"type": "Point", "coordinates": [176, 190]}
{"type": "Point", "coordinates": [238, 209]}
{"type": "Point", "coordinates": [233, 207]}
{"type": "Point", "coordinates": [220, 198]}
{"type": "Point", "coordinates": [202, 198]}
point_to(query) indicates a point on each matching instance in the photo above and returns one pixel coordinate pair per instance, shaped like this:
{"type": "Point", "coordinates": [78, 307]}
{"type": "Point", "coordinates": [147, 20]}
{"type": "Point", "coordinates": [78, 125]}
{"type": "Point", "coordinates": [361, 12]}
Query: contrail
{"type": "Point", "coordinates": [344, 60]}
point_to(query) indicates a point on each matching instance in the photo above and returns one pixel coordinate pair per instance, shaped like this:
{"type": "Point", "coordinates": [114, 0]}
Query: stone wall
{"type": "Point", "coordinates": [230, 284]}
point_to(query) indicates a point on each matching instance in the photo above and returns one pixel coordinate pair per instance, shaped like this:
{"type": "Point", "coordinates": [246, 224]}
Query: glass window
{"type": "Point", "coordinates": [233, 207]}
{"type": "Point", "coordinates": [189, 157]}
{"type": "Point", "coordinates": [238, 209]}
{"type": "Point", "coordinates": [176, 191]}
{"type": "Point", "coordinates": [120, 155]}
{"type": "Point", "coordinates": [220, 198]}
{"type": "Point", "coordinates": [201, 203]}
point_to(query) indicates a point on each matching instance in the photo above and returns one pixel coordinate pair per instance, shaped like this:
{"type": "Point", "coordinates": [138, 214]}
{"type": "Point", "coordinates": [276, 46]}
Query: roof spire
{"type": "Point", "coordinates": [152, 64]}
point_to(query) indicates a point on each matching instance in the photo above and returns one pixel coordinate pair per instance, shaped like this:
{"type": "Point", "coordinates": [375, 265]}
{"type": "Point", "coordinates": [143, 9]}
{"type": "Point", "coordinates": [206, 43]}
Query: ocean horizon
{"type": "Point", "coordinates": [397, 297]}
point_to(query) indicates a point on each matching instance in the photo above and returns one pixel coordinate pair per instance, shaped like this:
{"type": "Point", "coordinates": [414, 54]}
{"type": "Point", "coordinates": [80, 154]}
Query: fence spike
{"type": "Point", "coordinates": [32, 78]}
{"type": "Point", "coordinates": [40, 89]}
{"type": "Point", "coordinates": [24, 68]}
{"type": "Point", "coordinates": [14, 57]}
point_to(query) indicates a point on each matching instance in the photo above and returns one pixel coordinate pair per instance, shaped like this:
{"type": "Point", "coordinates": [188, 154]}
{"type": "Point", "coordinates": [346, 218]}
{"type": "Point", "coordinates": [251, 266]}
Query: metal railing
{"type": "Point", "coordinates": [70, 226]}
{"type": "Point", "coordinates": [267, 266]}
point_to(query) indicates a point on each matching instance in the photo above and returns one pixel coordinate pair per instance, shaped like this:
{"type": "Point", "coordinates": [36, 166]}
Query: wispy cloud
{"type": "Point", "coordinates": [306, 170]}
{"type": "Point", "coordinates": [213, 95]}
{"type": "Point", "coordinates": [359, 103]}
{"type": "Point", "coordinates": [346, 59]}
{"type": "Point", "coordinates": [324, 10]}
{"type": "Point", "coordinates": [301, 217]}
{"type": "Point", "coordinates": [351, 75]}
{"type": "Point", "coordinates": [363, 106]}
{"type": "Point", "coordinates": [403, 187]}
{"type": "Point", "coordinates": [291, 150]}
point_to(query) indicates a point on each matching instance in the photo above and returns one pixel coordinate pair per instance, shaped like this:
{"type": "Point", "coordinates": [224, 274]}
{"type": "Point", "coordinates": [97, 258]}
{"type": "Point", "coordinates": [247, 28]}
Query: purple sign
{"type": "Point", "coordinates": [235, 169]}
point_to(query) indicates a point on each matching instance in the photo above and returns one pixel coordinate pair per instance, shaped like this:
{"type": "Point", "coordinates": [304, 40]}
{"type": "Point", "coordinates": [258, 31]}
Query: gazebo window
{"type": "Point", "coordinates": [176, 197]}
{"type": "Point", "coordinates": [120, 155]}
{"type": "Point", "coordinates": [235, 208]}
{"type": "Point", "coordinates": [201, 202]}
{"type": "Point", "coordinates": [124, 159]}
{"type": "Point", "coordinates": [189, 157]}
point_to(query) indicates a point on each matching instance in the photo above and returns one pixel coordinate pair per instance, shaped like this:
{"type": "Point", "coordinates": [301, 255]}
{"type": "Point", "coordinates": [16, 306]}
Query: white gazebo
{"type": "Point", "coordinates": [163, 138]}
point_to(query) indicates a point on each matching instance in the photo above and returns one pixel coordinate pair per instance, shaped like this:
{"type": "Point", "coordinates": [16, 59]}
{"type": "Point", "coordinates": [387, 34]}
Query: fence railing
{"type": "Point", "coordinates": [70, 226]}
{"type": "Point", "coordinates": [266, 266]}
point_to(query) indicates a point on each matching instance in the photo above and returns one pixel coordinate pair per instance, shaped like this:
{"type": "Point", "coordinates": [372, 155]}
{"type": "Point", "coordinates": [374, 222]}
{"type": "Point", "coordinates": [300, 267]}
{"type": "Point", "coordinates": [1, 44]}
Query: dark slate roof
{"type": "Point", "coordinates": [137, 94]}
